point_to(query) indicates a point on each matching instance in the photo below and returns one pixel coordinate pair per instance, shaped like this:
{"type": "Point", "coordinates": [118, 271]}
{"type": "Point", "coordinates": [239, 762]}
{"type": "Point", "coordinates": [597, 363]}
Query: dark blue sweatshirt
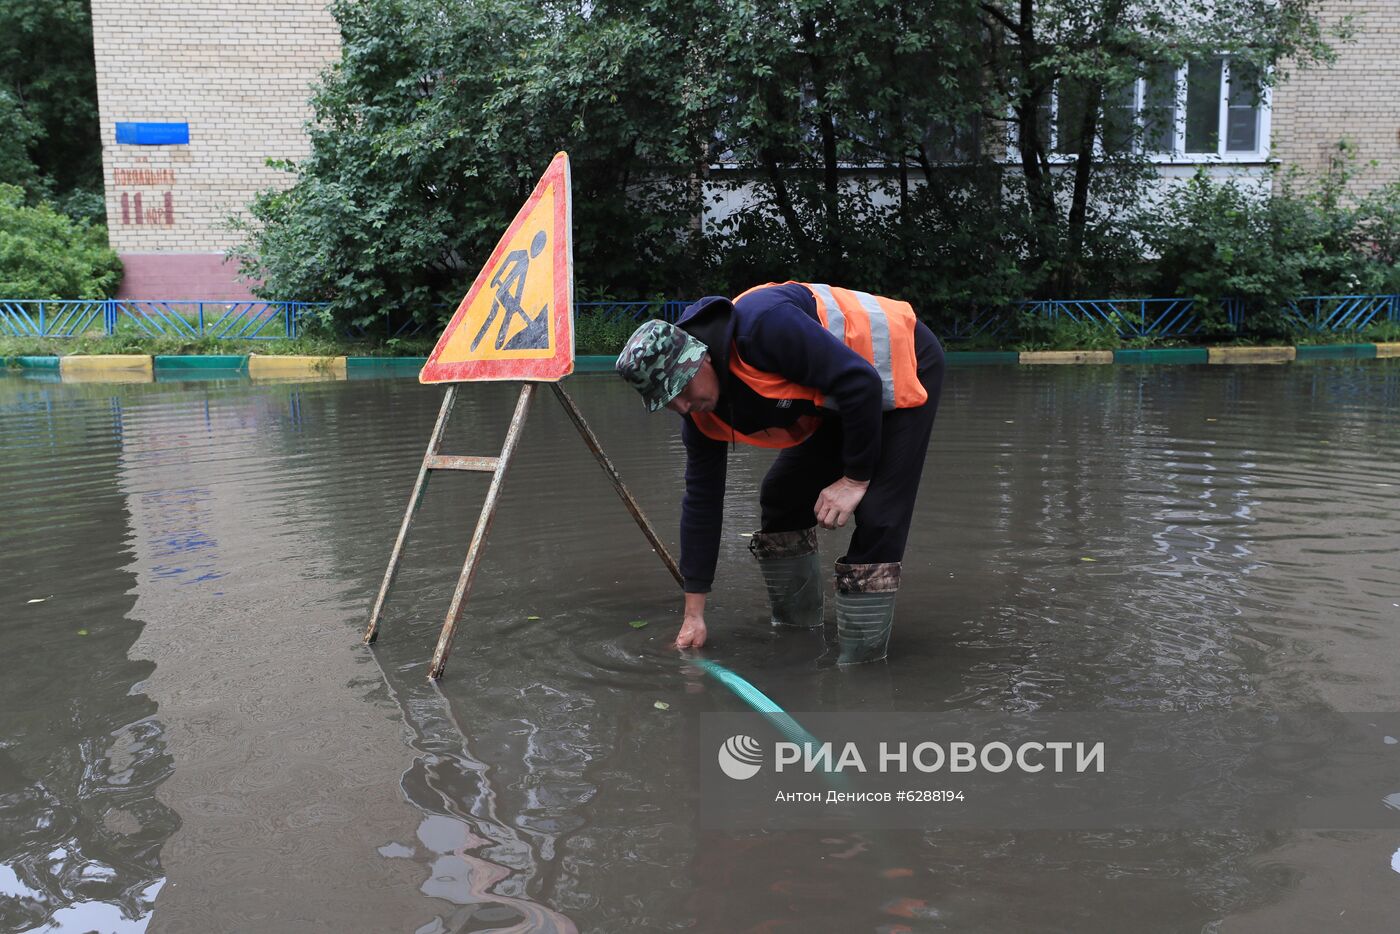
{"type": "Point", "coordinates": [775, 329]}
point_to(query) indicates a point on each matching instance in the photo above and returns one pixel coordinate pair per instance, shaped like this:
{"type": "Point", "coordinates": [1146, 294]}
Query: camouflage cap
{"type": "Point", "coordinates": [659, 360]}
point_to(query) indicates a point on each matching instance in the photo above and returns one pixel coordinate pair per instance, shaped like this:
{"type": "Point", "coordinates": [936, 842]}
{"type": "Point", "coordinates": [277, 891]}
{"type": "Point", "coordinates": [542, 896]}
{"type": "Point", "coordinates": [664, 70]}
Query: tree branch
{"type": "Point", "coordinates": [1000, 15]}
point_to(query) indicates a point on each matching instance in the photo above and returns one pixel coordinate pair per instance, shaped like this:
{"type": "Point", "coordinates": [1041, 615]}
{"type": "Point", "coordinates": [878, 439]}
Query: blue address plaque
{"type": "Point", "coordinates": [153, 134]}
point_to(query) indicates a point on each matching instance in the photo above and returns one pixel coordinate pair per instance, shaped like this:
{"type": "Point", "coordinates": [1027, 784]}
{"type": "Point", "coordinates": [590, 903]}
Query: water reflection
{"type": "Point", "coordinates": [1087, 539]}
{"type": "Point", "coordinates": [82, 750]}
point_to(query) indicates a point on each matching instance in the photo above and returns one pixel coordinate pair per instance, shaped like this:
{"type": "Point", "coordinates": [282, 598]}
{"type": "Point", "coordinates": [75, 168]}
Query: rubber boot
{"type": "Point", "coordinates": [865, 610]}
{"type": "Point", "coordinates": [792, 574]}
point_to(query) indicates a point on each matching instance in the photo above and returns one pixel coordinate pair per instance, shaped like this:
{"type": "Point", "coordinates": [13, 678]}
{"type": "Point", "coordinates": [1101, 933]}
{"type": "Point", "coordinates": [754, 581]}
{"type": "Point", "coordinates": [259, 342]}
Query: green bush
{"type": "Point", "coordinates": [594, 334]}
{"type": "Point", "coordinates": [1382, 332]}
{"type": "Point", "coordinates": [45, 254]}
{"type": "Point", "coordinates": [1039, 332]}
{"type": "Point", "coordinates": [1218, 239]}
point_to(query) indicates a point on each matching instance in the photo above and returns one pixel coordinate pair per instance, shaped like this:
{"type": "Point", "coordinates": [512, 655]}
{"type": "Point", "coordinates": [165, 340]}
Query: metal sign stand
{"type": "Point", "coordinates": [497, 467]}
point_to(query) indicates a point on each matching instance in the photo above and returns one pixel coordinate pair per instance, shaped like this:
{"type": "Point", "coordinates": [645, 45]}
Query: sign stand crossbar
{"type": "Point", "coordinates": [497, 467]}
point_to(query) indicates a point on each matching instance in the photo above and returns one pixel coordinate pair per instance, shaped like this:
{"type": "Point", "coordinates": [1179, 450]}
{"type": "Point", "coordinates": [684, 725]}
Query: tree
{"type": "Point", "coordinates": [854, 141]}
{"type": "Point", "coordinates": [430, 131]}
{"type": "Point", "coordinates": [49, 141]}
{"type": "Point", "coordinates": [822, 107]}
{"type": "Point", "coordinates": [1074, 56]}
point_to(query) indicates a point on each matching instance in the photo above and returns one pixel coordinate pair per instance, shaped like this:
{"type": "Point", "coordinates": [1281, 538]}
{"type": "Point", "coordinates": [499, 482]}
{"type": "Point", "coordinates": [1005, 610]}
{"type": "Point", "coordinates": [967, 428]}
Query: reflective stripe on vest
{"type": "Point", "coordinates": [882, 331]}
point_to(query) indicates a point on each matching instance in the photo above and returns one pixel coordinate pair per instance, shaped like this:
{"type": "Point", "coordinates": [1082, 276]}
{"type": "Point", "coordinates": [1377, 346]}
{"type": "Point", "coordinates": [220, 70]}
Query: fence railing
{"type": "Point", "coordinates": [1342, 312]}
{"type": "Point", "coordinates": [226, 320]}
{"type": "Point", "coordinates": [1180, 317]}
{"type": "Point", "coordinates": [1131, 317]}
{"type": "Point", "coordinates": [260, 320]}
{"type": "Point", "coordinates": [230, 320]}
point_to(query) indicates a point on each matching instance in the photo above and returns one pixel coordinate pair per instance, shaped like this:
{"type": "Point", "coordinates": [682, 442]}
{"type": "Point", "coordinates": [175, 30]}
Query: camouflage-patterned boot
{"type": "Point", "coordinates": [865, 610]}
{"type": "Point", "coordinates": [792, 574]}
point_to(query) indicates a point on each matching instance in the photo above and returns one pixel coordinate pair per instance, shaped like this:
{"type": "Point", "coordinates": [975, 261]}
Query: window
{"type": "Point", "coordinates": [1245, 104]}
{"type": "Point", "coordinates": [1203, 105]}
{"type": "Point", "coordinates": [1159, 109]}
{"type": "Point", "coordinates": [952, 141]}
{"type": "Point", "coordinates": [1205, 108]}
{"type": "Point", "coordinates": [1120, 107]}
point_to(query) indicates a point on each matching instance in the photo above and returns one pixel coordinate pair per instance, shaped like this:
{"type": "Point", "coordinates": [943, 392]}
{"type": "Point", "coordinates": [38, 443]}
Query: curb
{"type": "Point", "coordinates": [1162, 355]}
{"type": "Point", "coordinates": [107, 368]}
{"type": "Point", "coordinates": [980, 357]}
{"type": "Point", "coordinates": [35, 363]}
{"type": "Point", "coordinates": [201, 362]}
{"type": "Point", "coordinates": [1336, 351]}
{"type": "Point", "coordinates": [276, 366]}
{"type": "Point", "coordinates": [1066, 356]}
{"type": "Point", "coordinates": [1253, 354]}
{"type": "Point", "coordinates": [594, 363]}
{"type": "Point", "coordinates": [142, 368]}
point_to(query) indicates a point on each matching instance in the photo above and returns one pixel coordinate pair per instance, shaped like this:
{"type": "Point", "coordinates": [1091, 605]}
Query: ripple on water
{"type": "Point", "coordinates": [1238, 523]}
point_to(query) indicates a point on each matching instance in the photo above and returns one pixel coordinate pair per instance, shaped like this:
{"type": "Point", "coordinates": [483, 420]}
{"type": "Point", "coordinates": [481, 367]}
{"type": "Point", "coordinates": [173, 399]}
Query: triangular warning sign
{"type": "Point", "coordinates": [517, 319]}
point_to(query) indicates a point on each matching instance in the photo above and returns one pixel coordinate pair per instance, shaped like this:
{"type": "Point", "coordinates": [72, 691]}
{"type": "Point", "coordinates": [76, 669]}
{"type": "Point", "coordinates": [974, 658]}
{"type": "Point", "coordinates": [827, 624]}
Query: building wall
{"type": "Point", "coordinates": [1357, 99]}
{"type": "Point", "coordinates": [239, 74]}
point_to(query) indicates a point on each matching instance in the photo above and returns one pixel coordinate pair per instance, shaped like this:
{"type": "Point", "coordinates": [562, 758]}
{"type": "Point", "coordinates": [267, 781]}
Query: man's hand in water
{"type": "Point", "coordinates": [692, 634]}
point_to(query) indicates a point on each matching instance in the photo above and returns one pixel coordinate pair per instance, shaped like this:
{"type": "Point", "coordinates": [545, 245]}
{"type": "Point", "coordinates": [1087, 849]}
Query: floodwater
{"type": "Point", "coordinates": [191, 738]}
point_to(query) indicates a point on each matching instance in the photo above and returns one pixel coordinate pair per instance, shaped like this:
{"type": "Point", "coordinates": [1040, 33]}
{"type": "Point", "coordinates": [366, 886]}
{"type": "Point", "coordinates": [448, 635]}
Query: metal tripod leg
{"type": "Point", "coordinates": [414, 499]}
{"type": "Point", "coordinates": [483, 526]}
{"type": "Point", "coordinates": [626, 495]}
{"type": "Point", "coordinates": [497, 466]}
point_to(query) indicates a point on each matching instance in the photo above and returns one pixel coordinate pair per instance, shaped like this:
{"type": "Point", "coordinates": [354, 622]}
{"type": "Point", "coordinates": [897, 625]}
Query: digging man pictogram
{"type": "Point", "coordinates": [509, 282]}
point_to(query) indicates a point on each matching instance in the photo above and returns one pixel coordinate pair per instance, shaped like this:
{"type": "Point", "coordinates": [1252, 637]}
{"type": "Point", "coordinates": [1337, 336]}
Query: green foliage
{"type": "Point", "coordinates": [836, 140]}
{"type": "Point", "coordinates": [17, 134]}
{"type": "Point", "coordinates": [1039, 332]}
{"type": "Point", "coordinates": [1219, 239]}
{"type": "Point", "coordinates": [433, 127]}
{"type": "Point", "coordinates": [1382, 332]}
{"type": "Point", "coordinates": [49, 142]}
{"type": "Point", "coordinates": [839, 118]}
{"type": "Point", "coordinates": [44, 254]}
{"type": "Point", "coordinates": [1079, 52]}
{"type": "Point", "coordinates": [596, 334]}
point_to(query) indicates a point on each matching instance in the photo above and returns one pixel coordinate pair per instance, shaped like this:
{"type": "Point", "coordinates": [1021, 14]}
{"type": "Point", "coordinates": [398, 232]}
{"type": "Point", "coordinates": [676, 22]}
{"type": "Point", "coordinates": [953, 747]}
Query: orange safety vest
{"type": "Point", "coordinates": [880, 329]}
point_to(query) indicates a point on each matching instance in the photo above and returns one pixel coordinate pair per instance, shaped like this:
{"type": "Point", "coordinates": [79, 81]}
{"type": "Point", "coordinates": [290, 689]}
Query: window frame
{"type": "Point", "coordinates": [1178, 154]}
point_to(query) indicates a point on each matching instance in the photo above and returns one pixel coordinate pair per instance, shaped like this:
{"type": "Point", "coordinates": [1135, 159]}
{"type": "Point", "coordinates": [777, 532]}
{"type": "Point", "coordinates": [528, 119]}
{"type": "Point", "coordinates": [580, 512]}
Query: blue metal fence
{"type": "Point", "coordinates": [1130, 317]}
{"type": "Point", "coordinates": [260, 320]}
{"type": "Point", "coordinates": [1322, 313]}
{"type": "Point", "coordinates": [230, 320]}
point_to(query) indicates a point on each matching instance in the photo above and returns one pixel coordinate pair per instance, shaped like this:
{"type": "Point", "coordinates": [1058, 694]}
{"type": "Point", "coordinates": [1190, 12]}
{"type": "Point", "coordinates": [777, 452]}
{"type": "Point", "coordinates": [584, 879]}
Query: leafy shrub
{"type": "Point", "coordinates": [596, 334]}
{"type": "Point", "coordinates": [44, 254]}
{"type": "Point", "coordinates": [1040, 332]}
{"type": "Point", "coordinates": [1220, 240]}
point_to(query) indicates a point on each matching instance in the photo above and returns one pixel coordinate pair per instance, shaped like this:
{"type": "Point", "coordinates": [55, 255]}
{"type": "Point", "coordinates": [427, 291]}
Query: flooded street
{"type": "Point", "coordinates": [192, 739]}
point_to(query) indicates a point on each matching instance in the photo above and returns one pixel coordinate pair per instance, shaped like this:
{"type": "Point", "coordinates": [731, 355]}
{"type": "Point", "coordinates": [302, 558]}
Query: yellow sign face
{"type": "Point", "coordinates": [516, 322]}
{"type": "Point", "coordinates": [509, 319]}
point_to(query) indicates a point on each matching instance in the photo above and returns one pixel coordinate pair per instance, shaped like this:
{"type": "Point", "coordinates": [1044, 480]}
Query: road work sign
{"type": "Point", "coordinates": [517, 319]}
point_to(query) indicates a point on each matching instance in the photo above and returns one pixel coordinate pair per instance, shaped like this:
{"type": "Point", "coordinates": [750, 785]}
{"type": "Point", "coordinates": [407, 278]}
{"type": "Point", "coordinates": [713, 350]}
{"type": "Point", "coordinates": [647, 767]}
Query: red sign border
{"type": "Point", "coordinates": [548, 369]}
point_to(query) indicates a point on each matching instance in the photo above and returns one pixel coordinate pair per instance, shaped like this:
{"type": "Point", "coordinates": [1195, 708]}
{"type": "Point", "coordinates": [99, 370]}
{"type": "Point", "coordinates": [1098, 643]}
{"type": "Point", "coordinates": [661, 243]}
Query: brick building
{"type": "Point", "coordinates": [1357, 99]}
{"type": "Point", "coordinates": [196, 96]}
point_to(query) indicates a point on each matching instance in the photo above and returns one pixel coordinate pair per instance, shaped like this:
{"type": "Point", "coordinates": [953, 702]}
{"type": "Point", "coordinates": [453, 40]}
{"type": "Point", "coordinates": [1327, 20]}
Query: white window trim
{"type": "Point", "coordinates": [1178, 155]}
